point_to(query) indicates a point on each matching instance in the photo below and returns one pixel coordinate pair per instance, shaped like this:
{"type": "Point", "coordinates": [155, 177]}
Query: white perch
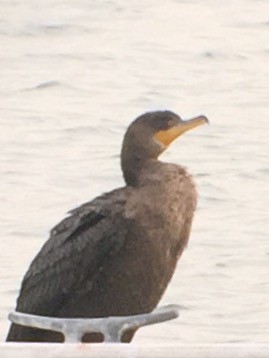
{"type": "Point", "coordinates": [112, 328]}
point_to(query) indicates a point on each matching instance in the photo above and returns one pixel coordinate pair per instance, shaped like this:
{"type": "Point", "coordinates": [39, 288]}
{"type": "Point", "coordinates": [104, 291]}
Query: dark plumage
{"type": "Point", "coordinates": [116, 254]}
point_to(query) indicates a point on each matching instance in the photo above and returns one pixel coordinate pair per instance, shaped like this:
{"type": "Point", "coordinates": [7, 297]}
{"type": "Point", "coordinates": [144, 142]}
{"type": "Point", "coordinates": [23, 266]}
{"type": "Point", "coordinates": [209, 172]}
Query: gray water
{"type": "Point", "coordinates": [75, 73]}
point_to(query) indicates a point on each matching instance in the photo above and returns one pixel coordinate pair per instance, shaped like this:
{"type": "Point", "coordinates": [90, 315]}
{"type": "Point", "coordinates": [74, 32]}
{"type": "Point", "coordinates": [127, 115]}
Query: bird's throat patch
{"type": "Point", "coordinates": [167, 136]}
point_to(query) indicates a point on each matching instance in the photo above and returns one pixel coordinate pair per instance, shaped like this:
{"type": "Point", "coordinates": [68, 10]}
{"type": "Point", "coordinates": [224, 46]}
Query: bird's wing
{"type": "Point", "coordinates": [76, 248]}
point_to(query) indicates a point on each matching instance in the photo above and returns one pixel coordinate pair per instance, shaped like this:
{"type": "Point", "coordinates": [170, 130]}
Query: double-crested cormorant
{"type": "Point", "coordinates": [116, 254]}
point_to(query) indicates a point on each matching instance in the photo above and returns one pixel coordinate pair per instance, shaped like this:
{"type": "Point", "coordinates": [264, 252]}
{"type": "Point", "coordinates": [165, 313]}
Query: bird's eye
{"type": "Point", "coordinates": [170, 123]}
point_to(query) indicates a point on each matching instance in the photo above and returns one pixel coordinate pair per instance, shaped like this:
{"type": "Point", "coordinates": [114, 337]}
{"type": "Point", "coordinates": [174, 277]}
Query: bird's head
{"type": "Point", "coordinates": [151, 134]}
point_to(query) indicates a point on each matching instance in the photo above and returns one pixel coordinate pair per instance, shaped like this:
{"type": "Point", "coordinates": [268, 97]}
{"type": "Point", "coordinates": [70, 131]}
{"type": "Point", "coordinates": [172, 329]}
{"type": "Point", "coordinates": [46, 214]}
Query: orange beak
{"type": "Point", "coordinates": [169, 135]}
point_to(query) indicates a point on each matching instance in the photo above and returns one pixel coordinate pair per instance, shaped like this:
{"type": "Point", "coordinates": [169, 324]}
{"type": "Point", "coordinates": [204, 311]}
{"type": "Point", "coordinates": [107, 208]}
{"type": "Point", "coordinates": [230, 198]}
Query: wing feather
{"type": "Point", "coordinates": [73, 253]}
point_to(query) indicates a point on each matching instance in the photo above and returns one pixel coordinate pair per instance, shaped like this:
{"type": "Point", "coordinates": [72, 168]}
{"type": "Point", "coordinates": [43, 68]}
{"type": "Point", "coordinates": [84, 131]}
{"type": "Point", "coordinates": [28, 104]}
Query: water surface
{"type": "Point", "coordinates": [73, 76]}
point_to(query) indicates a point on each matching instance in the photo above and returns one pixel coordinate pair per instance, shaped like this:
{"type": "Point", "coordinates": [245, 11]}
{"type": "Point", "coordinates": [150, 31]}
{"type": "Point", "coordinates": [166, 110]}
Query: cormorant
{"type": "Point", "coordinates": [116, 254]}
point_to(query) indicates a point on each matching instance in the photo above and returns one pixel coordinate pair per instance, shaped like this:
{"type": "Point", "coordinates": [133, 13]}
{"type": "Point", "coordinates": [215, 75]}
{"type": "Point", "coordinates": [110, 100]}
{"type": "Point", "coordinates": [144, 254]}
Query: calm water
{"type": "Point", "coordinates": [74, 74]}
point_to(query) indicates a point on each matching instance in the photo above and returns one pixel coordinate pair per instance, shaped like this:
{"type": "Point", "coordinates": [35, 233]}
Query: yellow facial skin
{"type": "Point", "coordinates": [167, 136]}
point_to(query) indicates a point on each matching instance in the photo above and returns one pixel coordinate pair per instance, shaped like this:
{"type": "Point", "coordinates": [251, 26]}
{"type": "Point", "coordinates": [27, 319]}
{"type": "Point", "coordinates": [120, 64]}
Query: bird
{"type": "Point", "coordinates": [116, 254]}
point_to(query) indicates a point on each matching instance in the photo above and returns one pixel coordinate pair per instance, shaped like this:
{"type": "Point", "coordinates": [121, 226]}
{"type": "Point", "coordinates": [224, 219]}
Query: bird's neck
{"type": "Point", "coordinates": [132, 166]}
